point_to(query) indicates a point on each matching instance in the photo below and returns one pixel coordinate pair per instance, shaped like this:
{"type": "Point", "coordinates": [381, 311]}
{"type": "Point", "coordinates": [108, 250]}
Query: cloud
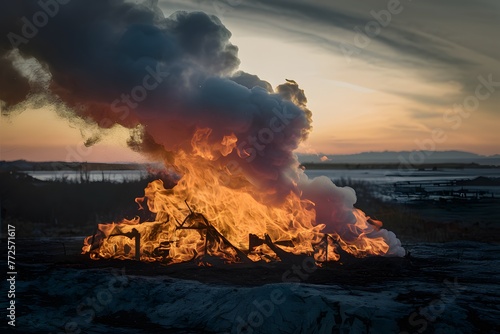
{"type": "Point", "coordinates": [441, 41]}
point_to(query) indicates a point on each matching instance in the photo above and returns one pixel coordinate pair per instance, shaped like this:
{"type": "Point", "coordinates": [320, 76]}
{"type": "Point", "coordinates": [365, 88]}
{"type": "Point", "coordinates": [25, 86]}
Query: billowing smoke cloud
{"type": "Point", "coordinates": [116, 62]}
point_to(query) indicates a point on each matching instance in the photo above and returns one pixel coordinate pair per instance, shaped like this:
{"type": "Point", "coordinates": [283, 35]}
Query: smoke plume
{"type": "Point", "coordinates": [174, 81]}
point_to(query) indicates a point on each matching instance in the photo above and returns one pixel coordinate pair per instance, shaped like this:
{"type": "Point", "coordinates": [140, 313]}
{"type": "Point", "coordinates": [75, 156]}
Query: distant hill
{"type": "Point", "coordinates": [395, 157]}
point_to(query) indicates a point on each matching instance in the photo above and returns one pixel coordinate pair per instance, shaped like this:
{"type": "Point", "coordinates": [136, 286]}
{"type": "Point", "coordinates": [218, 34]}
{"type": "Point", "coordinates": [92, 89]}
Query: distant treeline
{"type": "Point", "coordinates": [23, 165]}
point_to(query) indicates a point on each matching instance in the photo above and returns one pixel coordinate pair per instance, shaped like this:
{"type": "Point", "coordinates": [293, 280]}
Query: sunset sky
{"type": "Point", "coordinates": [427, 77]}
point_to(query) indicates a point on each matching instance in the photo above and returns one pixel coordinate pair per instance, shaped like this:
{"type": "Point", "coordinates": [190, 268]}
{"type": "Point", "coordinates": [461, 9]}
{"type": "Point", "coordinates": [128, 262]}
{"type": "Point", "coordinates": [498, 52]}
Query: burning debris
{"type": "Point", "coordinates": [174, 83]}
{"type": "Point", "coordinates": [195, 238]}
{"type": "Point", "coordinates": [214, 243]}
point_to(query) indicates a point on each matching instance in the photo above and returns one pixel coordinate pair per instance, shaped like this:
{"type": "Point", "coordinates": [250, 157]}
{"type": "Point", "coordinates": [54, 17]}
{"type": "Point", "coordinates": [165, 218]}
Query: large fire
{"type": "Point", "coordinates": [215, 212]}
{"type": "Point", "coordinates": [174, 82]}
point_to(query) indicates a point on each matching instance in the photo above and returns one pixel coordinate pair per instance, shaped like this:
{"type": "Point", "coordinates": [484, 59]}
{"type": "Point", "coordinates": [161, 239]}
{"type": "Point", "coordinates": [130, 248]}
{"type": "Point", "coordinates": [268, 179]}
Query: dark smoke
{"type": "Point", "coordinates": [97, 52]}
{"type": "Point", "coordinates": [115, 62]}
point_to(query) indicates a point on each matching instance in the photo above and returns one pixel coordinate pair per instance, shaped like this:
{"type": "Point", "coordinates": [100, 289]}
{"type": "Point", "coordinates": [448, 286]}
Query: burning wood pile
{"type": "Point", "coordinates": [198, 239]}
{"type": "Point", "coordinates": [214, 243]}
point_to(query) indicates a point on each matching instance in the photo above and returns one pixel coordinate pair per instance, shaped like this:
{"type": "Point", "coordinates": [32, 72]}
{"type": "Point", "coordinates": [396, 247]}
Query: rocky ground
{"type": "Point", "coordinates": [440, 288]}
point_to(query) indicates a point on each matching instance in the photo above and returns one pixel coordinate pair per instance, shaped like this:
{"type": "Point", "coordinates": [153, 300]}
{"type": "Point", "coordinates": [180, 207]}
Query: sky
{"type": "Point", "coordinates": [378, 75]}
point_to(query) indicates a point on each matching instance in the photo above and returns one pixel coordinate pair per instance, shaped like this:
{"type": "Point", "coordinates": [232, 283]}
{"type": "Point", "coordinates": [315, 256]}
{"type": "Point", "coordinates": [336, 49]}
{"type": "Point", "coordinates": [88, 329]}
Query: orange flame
{"type": "Point", "coordinates": [212, 212]}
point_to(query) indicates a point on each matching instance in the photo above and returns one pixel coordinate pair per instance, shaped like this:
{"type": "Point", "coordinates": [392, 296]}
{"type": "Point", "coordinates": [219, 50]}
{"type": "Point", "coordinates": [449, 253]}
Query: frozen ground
{"type": "Point", "coordinates": [443, 288]}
